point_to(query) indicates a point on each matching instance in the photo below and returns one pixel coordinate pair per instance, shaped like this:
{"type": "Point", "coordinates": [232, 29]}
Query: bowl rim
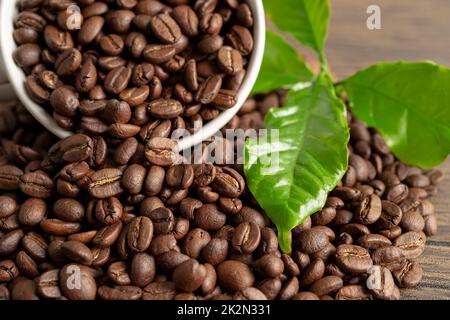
{"type": "Point", "coordinates": [9, 10]}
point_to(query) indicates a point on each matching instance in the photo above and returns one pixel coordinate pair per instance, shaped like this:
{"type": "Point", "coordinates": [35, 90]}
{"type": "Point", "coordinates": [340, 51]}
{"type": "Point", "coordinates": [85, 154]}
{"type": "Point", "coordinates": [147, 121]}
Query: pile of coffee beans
{"type": "Point", "coordinates": [122, 67]}
{"type": "Point", "coordinates": [87, 218]}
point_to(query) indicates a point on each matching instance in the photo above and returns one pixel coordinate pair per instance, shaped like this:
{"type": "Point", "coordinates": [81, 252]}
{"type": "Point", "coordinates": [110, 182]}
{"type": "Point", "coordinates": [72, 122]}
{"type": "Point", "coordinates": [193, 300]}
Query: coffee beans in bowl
{"type": "Point", "coordinates": [113, 68]}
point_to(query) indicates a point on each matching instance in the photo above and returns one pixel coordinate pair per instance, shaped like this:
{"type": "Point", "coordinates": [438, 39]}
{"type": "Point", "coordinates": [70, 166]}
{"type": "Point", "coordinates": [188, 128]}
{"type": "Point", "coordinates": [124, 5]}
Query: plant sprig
{"type": "Point", "coordinates": [407, 102]}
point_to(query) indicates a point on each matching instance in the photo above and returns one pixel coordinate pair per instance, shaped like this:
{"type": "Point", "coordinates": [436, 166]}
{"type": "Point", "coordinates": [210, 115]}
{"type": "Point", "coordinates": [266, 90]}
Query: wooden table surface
{"type": "Point", "coordinates": [412, 30]}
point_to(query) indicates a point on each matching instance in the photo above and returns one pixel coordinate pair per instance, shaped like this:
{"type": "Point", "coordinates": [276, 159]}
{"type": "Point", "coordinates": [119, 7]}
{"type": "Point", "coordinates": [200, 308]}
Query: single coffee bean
{"type": "Point", "coordinates": [117, 79]}
{"type": "Point", "coordinates": [229, 183]}
{"type": "Point", "coordinates": [140, 234]}
{"type": "Point", "coordinates": [9, 242]}
{"type": "Point", "coordinates": [209, 217]}
{"type": "Point", "coordinates": [246, 237]}
{"type": "Point", "coordinates": [36, 184]}
{"type": "Point", "coordinates": [411, 243]}
{"type": "Point", "coordinates": [162, 152]}
{"type": "Point", "coordinates": [26, 265]}
{"type": "Point", "coordinates": [229, 60]}
{"type": "Point", "coordinates": [369, 210]}
{"type": "Point", "coordinates": [142, 270]}
{"type": "Point", "coordinates": [108, 211]}
{"type": "Point", "coordinates": [241, 39]}
{"type": "Point", "coordinates": [68, 62]}
{"type": "Point", "coordinates": [195, 241]}
{"type": "Point", "coordinates": [189, 275]}
{"type": "Point", "coordinates": [8, 270]}
{"type": "Point", "coordinates": [234, 275]}
{"type": "Point", "coordinates": [409, 275]}
{"type": "Point", "coordinates": [133, 178]}
{"type": "Point", "coordinates": [373, 241]}
{"type": "Point", "coordinates": [390, 257]}
{"type": "Point", "coordinates": [108, 235]}
{"type": "Point", "coordinates": [269, 265]}
{"type": "Point", "coordinates": [118, 273]}
{"type": "Point", "coordinates": [412, 221]}
{"type": "Point", "coordinates": [35, 246]}
{"type": "Point", "coordinates": [87, 289]}
{"type": "Point", "coordinates": [9, 177]}
{"type": "Point", "coordinates": [106, 183]}
{"type": "Point", "coordinates": [165, 28]}
{"type": "Point", "coordinates": [209, 90]}
{"type": "Point", "coordinates": [311, 241]}
{"type": "Point", "coordinates": [397, 193]}
{"type": "Point", "coordinates": [186, 19]}
{"type": "Point", "coordinates": [387, 290]}
{"type": "Point", "coordinates": [8, 206]}
{"type": "Point", "coordinates": [119, 293]}
{"type": "Point", "coordinates": [159, 291]}
{"type": "Point", "coordinates": [77, 252]}
{"type": "Point", "coordinates": [27, 55]}
{"type": "Point", "coordinates": [313, 272]}
{"type": "Point", "coordinates": [353, 259]}
{"type": "Point", "coordinates": [353, 292]}
{"type": "Point", "coordinates": [326, 285]}
{"type": "Point", "coordinates": [68, 210]}
{"type": "Point", "coordinates": [90, 29]}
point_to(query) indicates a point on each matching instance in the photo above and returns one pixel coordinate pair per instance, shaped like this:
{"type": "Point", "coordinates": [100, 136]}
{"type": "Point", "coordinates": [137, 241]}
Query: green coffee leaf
{"type": "Point", "coordinates": [306, 20]}
{"type": "Point", "coordinates": [282, 66]}
{"type": "Point", "coordinates": [290, 178]}
{"type": "Point", "coordinates": [409, 103]}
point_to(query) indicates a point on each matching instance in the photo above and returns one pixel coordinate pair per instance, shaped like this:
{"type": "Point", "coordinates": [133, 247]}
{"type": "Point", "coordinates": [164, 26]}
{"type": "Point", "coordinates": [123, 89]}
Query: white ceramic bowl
{"type": "Point", "coordinates": [10, 71]}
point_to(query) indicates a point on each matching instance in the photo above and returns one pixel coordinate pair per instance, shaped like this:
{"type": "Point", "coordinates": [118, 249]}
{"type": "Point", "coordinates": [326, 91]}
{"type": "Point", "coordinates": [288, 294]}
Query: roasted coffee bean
{"type": "Point", "coordinates": [209, 217]}
{"type": "Point", "coordinates": [162, 152]}
{"type": "Point", "coordinates": [369, 210]}
{"type": "Point", "coordinates": [140, 234]}
{"type": "Point", "coordinates": [26, 265]}
{"type": "Point", "coordinates": [159, 291]}
{"type": "Point", "coordinates": [387, 290]}
{"type": "Point", "coordinates": [269, 265]}
{"type": "Point", "coordinates": [353, 259]}
{"type": "Point", "coordinates": [241, 39]}
{"type": "Point", "coordinates": [390, 257]}
{"type": "Point", "coordinates": [27, 55]}
{"type": "Point", "coordinates": [409, 275]}
{"type": "Point", "coordinates": [326, 285]}
{"type": "Point", "coordinates": [165, 28]}
{"type": "Point", "coordinates": [77, 251]}
{"type": "Point", "coordinates": [195, 241]}
{"type": "Point", "coordinates": [209, 90]}
{"type": "Point", "coordinates": [165, 108]}
{"type": "Point", "coordinates": [411, 243]}
{"type": "Point", "coordinates": [105, 183]}
{"type": "Point", "coordinates": [353, 292]}
{"type": "Point", "coordinates": [234, 275]}
{"type": "Point", "coordinates": [397, 193]}
{"type": "Point", "coordinates": [68, 210]}
{"type": "Point", "coordinates": [412, 221]}
{"type": "Point", "coordinates": [9, 177]}
{"type": "Point", "coordinates": [90, 29]}
{"type": "Point", "coordinates": [8, 270]}
{"type": "Point", "coordinates": [228, 183]}
{"type": "Point", "coordinates": [229, 60]}
{"type": "Point", "coordinates": [118, 273]}
{"type": "Point", "coordinates": [133, 178]}
{"type": "Point", "coordinates": [373, 241]}
{"type": "Point", "coordinates": [8, 206]}
{"type": "Point", "coordinates": [87, 289]}
{"type": "Point", "coordinates": [119, 293]}
{"type": "Point", "coordinates": [313, 272]}
{"type": "Point", "coordinates": [36, 184]}
{"type": "Point", "coordinates": [311, 241]}
{"type": "Point", "coordinates": [246, 237]}
{"type": "Point", "coordinates": [189, 275]}
{"type": "Point", "coordinates": [10, 241]}
{"type": "Point", "coordinates": [162, 219]}
{"type": "Point", "coordinates": [142, 270]}
{"type": "Point", "coordinates": [108, 211]}
{"type": "Point", "coordinates": [108, 235]}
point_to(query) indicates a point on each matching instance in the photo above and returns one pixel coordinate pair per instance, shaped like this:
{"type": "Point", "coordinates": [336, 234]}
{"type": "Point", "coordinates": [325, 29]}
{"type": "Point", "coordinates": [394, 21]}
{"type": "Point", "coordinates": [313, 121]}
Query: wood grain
{"type": "Point", "coordinates": [412, 30]}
